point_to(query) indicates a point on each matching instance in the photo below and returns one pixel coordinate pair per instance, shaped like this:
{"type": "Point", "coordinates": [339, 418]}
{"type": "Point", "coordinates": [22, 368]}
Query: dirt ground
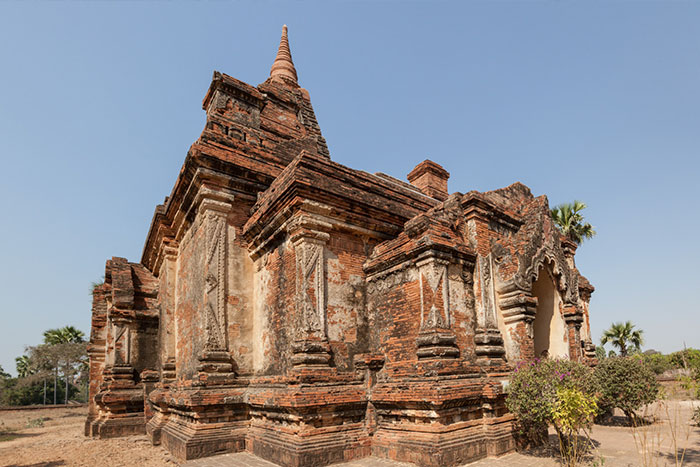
{"type": "Point", "coordinates": [60, 442]}
{"type": "Point", "coordinates": [54, 437]}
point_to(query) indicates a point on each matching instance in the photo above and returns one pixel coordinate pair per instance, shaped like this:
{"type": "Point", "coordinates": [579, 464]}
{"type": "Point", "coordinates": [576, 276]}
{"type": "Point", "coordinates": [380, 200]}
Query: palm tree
{"type": "Point", "coordinates": [23, 366]}
{"type": "Point", "coordinates": [64, 335]}
{"type": "Point", "coordinates": [95, 285]}
{"type": "Point", "coordinates": [622, 335]}
{"type": "Point", "coordinates": [569, 219]}
{"type": "Point", "coordinates": [44, 360]}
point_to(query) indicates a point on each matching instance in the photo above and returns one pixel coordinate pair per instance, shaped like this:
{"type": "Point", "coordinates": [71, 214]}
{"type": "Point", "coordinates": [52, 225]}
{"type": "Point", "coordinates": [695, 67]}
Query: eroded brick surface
{"type": "Point", "coordinates": [311, 313]}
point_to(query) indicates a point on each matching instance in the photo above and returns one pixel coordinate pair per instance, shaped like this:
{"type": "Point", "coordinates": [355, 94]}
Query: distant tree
{"type": "Point", "coordinates": [568, 218]}
{"type": "Point", "coordinates": [17, 391]}
{"type": "Point", "coordinates": [23, 366]}
{"type": "Point", "coordinates": [622, 336]}
{"type": "Point", "coordinates": [63, 335]}
{"type": "Point", "coordinates": [60, 336]}
{"type": "Point", "coordinates": [4, 375]}
{"type": "Point", "coordinates": [72, 356]}
{"type": "Point", "coordinates": [95, 285]}
{"type": "Point", "coordinates": [23, 390]}
{"type": "Point", "coordinates": [48, 359]}
{"type": "Point", "coordinates": [600, 352]}
{"type": "Point", "coordinates": [44, 362]}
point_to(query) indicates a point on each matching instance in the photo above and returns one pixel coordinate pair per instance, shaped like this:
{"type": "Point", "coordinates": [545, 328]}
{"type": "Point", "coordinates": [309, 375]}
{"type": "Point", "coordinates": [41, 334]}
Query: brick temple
{"type": "Point", "coordinates": [311, 313]}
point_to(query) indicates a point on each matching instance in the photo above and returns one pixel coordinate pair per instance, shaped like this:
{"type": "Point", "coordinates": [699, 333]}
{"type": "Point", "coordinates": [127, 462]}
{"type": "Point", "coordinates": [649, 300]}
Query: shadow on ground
{"type": "Point", "coordinates": [621, 420]}
{"type": "Point", "coordinates": [10, 435]}
{"type": "Point", "coordinates": [691, 457]}
{"type": "Point", "coordinates": [40, 464]}
{"type": "Point", "coordinates": [551, 449]}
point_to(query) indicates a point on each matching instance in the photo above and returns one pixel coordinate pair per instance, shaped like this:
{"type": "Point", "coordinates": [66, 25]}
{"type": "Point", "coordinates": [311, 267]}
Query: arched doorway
{"type": "Point", "coordinates": [549, 329]}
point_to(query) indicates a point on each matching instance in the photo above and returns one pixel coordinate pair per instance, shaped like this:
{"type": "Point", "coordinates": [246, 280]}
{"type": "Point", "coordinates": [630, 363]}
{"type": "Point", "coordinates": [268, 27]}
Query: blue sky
{"type": "Point", "coordinates": [598, 101]}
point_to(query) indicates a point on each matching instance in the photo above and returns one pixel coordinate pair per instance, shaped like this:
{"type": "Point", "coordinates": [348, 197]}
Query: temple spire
{"type": "Point", "coordinates": [283, 67]}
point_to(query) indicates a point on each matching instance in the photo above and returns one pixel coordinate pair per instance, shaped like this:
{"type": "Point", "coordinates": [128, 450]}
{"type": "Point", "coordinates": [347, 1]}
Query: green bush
{"type": "Point", "coordinates": [658, 363]}
{"type": "Point", "coordinates": [36, 422]}
{"type": "Point", "coordinates": [532, 394]}
{"type": "Point", "coordinates": [625, 383]}
{"type": "Point", "coordinates": [691, 384]}
{"type": "Point", "coordinates": [572, 413]}
{"type": "Point", "coordinates": [688, 358]}
{"type": "Point", "coordinates": [600, 352]}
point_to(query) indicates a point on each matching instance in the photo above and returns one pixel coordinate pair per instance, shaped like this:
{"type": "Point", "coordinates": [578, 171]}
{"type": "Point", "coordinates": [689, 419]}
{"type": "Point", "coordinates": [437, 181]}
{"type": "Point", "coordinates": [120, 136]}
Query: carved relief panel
{"type": "Point", "coordinates": [434, 294]}
{"type": "Point", "coordinates": [311, 348]}
{"type": "Point", "coordinates": [215, 281]}
{"type": "Point", "coordinates": [121, 353]}
{"type": "Point", "coordinates": [310, 293]}
{"type": "Point", "coordinates": [486, 315]}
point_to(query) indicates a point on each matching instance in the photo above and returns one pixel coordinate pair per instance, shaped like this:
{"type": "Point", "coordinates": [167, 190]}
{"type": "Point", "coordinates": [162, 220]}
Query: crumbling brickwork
{"type": "Point", "coordinates": [312, 313]}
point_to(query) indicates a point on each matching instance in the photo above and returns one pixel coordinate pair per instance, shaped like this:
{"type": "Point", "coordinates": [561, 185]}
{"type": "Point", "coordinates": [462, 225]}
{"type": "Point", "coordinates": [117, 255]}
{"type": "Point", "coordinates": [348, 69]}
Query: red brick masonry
{"type": "Point", "coordinates": [311, 313]}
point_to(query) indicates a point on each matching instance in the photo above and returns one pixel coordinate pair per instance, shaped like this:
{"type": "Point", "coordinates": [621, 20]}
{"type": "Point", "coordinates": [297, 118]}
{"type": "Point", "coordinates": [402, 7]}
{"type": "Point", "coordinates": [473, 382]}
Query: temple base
{"type": "Point", "coordinates": [441, 449]}
{"type": "Point", "coordinates": [201, 422]}
{"type": "Point", "coordinates": [117, 426]}
{"type": "Point", "coordinates": [188, 441]}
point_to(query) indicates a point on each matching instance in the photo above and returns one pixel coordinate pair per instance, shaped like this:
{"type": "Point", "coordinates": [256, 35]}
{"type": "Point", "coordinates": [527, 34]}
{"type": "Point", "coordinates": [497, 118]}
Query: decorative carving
{"type": "Point", "coordinates": [122, 344]}
{"type": "Point", "coordinates": [565, 279]}
{"type": "Point", "coordinates": [311, 348]}
{"type": "Point", "coordinates": [215, 282]}
{"type": "Point", "coordinates": [487, 316]}
{"type": "Point", "coordinates": [488, 339]}
{"type": "Point", "coordinates": [384, 283]}
{"type": "Point", "coordinates": [530, 328]}
{"type": "Point", "coordinates": [215, 365]}
{"type": "Point", "coordinates": [310, 286]}
{"type": "Point", "coordinates": [435, 313]}
{"type": "Point", "coordinates": [589, 349]}
{"type": "Point", "coordinates": [435, 340]}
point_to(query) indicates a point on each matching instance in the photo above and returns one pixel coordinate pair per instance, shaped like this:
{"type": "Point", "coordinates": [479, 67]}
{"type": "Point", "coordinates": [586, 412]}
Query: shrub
{"type": "Point", "coordinates": [532, 394]}
{"type": "Point", "coordinates": [696, 416]}
{"type": "Point", "coordinates": [658, 363]}
{"type": "Point", "coordinates": [600, 352]}
{"type": "Point", "coordinates": [36, 422]}
{"type": "Point", "coordinates": [688, 358]}
{"type": "Point", "coordinates": [625, 383]}
{"type": "Point", "coordinates": [573, 412]}
{"type": "Point", "coordinates": [691, 384]}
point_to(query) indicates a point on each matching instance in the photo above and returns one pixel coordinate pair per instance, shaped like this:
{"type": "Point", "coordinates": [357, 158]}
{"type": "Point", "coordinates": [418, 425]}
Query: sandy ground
{"type": "Point", "coordinates": [60, 442]}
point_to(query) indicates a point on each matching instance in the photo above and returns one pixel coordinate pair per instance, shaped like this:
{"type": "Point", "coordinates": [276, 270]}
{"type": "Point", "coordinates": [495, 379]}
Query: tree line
{"type": "Point", "coordinates": [53, 372]}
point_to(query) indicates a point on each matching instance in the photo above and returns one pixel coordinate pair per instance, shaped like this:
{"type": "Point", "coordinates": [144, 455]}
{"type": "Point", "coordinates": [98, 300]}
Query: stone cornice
{"type": "Point", "coordinates": [405, 251]}
{"type": "Point", "coordinates": [311, 217]}
{"type": "Point", "coordinates": [171, 222]}
{"type": "Point", "coordinates": [238, 89]}
{"type": "Point", "coordinates": [355, 198]}
{"type": "Point", "coordinates": [476, 207]}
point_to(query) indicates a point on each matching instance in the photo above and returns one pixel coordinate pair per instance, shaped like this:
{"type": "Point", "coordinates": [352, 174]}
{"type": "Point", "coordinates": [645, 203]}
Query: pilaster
{"type": "Point", "coordinates": [573, 317]}
{"type": "Point", "coordinates": [436, 338]}
{"type": "Point", "coordinates": [215, 364]}
{"type": "Point", "coordinates": [168, 323]}
{"type": "Point", "coordinates": [489, 350]}
{"type": "Point", "coordinates": [310, 349]}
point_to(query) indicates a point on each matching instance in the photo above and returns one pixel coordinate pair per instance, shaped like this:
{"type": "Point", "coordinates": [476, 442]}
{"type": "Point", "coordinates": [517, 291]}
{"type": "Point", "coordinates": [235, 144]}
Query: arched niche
{"type": "Point", "coordinates": [549, 329]}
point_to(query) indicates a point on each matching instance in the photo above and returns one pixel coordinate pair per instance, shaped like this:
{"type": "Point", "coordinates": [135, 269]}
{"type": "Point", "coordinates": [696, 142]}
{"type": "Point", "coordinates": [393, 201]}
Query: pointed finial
{"type": "Point", "coordinates": [283, 67]}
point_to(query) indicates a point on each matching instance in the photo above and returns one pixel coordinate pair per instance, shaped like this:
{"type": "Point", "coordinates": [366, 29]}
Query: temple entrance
{"type": "Point", "coordinates": [549, 329]}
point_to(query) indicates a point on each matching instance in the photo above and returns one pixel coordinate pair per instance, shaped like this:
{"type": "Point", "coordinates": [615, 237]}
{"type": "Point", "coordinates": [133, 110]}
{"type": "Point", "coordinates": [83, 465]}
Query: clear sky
{"type": "Point", "coordinates": [596, 101]}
